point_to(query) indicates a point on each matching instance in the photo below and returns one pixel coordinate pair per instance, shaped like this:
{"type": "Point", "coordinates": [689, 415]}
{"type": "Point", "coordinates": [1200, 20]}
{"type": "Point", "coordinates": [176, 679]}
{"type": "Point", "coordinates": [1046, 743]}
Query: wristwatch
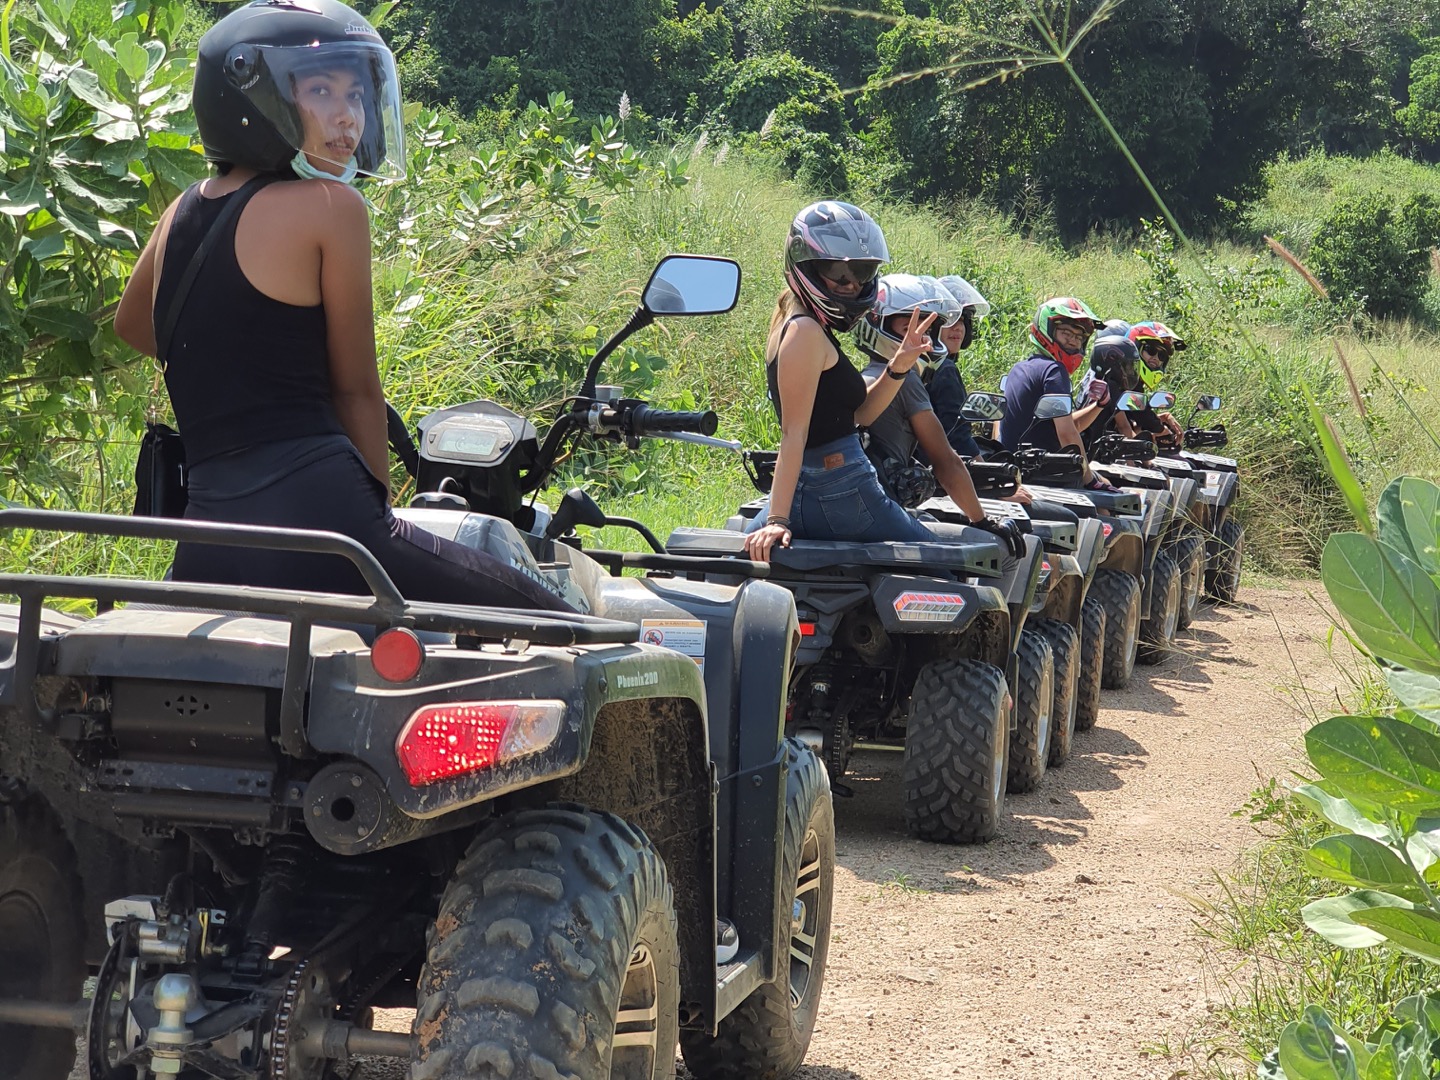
{"type": "Point", "coordinates": [896, 375]}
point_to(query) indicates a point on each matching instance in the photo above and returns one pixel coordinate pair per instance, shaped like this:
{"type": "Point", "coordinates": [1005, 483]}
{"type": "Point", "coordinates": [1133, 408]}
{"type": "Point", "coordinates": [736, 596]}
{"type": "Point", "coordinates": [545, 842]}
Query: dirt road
{"type": "Point", "coordinates": [1064, 948]}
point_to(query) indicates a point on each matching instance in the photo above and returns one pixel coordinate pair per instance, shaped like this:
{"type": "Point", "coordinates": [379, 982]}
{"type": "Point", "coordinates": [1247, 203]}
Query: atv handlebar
{"type": "Point", "coordinates": [1195, 438]}
{"type": "Point", "coordinates": [1113, 448]}
{"type": "Point", "coordinates": [635, 418]}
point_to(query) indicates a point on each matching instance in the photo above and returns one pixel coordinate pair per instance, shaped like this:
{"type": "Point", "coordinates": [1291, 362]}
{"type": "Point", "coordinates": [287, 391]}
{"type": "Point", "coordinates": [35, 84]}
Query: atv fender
{"type": "Point", "coordinates": [1124, 546]}
{"type": "Point", "coordinates": [746, 647]}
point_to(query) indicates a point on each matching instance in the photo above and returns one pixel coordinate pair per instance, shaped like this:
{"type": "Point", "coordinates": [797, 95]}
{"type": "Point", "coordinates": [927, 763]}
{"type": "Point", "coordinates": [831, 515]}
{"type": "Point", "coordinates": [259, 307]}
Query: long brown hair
{"type": "Point", "coordinates": [787, 304]}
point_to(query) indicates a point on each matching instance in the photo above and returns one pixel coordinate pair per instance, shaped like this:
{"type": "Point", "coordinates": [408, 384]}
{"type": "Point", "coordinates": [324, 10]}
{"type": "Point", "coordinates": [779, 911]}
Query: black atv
{"type": "Point", "coordinates": [917, 646]}
{"type": "Point", "coordinates": [256, 815]}
{"type": "Point", "coordinates": [1224, 537]}
{"type": "Point", "coordinates": [1117, 603]}
{"type": "Point", "coordinates": [1073, 548]}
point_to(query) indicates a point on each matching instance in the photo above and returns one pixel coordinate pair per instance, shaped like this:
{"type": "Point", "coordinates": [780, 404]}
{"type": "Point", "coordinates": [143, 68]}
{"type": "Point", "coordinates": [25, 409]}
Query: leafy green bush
{"type": "Point", "coordinates": [1369, 248]}
{"type": "Point", "coordinates": [762, 83]}
{"type": "Point", "coordinates": [95, 146]}
{"type": "Point", "coordinates": [1379, 787]}
{"type": "Point", "coordinates": [1313, 1048]}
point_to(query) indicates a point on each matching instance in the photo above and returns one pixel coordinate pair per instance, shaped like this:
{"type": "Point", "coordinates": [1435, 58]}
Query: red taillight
{"type": "Point", "coordinates": [807, 629]}
{"type": "Point", "coordinates": [397, 655]}
{"type": "Point", "coordinates": [439, 742]}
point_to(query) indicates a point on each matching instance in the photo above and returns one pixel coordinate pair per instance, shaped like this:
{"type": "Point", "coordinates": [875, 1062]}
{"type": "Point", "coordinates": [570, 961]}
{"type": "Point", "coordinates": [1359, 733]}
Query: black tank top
{"type": "Point", "coordinates": [840, 391]}
{"type": "Point", "coordinates": [243, 369]}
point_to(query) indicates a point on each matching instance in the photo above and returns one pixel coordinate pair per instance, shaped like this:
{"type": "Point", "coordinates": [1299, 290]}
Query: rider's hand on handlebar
{"type": "Point", "coordinates": [1021, 496]}
{"type": "Point", "coordinates": [759, 542]}
{"type": "Point", "coordinates": [1174, 436]}
{"type": "Point", "coordinates": [916, 342]}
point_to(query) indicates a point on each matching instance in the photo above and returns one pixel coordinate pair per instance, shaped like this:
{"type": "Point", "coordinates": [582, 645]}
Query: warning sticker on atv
{"type": "Point", "coordinates": [686, 636]}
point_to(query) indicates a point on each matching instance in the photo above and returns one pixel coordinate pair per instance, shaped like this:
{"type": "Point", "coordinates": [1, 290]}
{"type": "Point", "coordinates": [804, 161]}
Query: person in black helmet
{"type": "Point", "coordinates": [825, 487]}
{"type": "Point", "coordinates": [270, 365]}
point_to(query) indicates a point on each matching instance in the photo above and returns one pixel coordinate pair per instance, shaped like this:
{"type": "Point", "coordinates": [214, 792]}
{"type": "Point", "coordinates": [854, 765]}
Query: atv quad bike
{"type": "Point", "coordinates": [1130, 523]}
{"type": "Point", "coordinates": [917, 646]}
{"type": "Point", "coordinates": [1073, 547]}
{"type": "Point", "coordinates": [1224, 537]}
{"type": "Point", "coordinates": [253, 815]}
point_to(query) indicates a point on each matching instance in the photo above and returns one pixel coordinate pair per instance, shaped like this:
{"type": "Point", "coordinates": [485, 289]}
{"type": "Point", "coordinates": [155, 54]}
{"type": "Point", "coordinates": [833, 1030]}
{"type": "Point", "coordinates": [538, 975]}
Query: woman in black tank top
{"type": "Point", "coordinates": [270, 359]}
{"type": "Point", "coordinates": [824, 487]}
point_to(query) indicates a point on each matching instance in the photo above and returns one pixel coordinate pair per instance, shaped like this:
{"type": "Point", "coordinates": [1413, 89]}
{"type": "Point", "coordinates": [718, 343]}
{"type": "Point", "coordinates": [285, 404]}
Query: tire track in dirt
{"type": "Point", "coordinates": [1064, 948]}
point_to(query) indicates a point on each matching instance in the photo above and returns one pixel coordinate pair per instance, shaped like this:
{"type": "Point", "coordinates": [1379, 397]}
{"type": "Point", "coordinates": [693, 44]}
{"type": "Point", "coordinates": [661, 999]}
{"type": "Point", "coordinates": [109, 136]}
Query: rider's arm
{"type": "Point", "coordinates": [799, 362]}
{"type": "Point", "coordinates": [950, 470]}
{"type": "Point", "coordinates": [1123, 425]}
{"type": "Point", "coordinates": [1085, 416]}
{"type": "Point", "coordinates": [135, 315]}
{"type": "Point", "coordinates": [343, 232]}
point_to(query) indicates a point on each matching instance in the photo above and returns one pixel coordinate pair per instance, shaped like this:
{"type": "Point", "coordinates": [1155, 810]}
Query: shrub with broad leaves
{"type": "Point", "coordinates": [1379, 786]}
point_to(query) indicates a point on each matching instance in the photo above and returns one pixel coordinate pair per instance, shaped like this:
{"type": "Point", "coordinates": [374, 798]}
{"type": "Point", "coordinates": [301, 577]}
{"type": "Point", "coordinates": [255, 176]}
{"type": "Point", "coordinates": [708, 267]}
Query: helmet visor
{"type": "Point", "coordinates": [337, 102]}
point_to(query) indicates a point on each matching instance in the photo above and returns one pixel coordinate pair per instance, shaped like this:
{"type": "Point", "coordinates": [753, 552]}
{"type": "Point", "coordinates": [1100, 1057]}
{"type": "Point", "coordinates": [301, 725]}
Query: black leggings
{"type": "Point", "coordinates": [331, 488]}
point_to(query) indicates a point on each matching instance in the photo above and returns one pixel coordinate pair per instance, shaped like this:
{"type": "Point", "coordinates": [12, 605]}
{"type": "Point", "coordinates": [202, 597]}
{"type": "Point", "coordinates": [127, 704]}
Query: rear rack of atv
{"type": "Point", "coordinates": [383, 608]}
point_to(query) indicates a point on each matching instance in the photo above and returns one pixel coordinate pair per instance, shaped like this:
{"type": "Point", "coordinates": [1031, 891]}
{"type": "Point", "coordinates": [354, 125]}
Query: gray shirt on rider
{"type": "Point", "coordinates": [892, 430]}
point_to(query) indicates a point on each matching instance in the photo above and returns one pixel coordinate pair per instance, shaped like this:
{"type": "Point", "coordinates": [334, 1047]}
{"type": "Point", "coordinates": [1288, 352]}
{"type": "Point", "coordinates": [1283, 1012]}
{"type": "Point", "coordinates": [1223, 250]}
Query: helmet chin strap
{"type": "Point", "coordinates": [303, 169]}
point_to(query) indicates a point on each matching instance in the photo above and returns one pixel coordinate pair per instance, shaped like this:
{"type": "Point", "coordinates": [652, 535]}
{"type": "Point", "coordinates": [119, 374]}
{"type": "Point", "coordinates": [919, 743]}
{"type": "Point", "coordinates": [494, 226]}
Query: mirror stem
{"type": "Point", "coordinates": [639, 319]}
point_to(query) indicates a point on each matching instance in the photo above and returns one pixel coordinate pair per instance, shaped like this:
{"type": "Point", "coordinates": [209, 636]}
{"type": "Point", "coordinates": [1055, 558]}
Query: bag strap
{"type": "Point", "coordinates": [166, 328]}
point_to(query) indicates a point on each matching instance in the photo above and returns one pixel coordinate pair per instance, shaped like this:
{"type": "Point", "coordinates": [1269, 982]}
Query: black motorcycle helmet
{"type": "Point", "coordinates": [1116, 360]}
{"type": "Point", "coordinates": [250, 64]}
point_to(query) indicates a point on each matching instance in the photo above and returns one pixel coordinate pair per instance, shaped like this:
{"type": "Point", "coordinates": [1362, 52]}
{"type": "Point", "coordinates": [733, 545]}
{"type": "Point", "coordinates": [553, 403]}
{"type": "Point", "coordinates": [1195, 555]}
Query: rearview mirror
{"type": "Point", "coordinates": [1162, 399]}
{"type": "Point", "coordinates": [980, 407]}
{"type": "Point", "coordinates": [692, 285]}
{"type": "Point", "coordinates": [1132, 401]}
{"type": "Point", "coordinates": [1052, 405]}
{"type": "Point", "coordinates": [1208, 403]}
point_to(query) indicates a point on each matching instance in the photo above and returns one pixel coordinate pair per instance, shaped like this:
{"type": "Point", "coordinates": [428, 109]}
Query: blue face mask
{"type": "Point", "coordinates": [305, 171]}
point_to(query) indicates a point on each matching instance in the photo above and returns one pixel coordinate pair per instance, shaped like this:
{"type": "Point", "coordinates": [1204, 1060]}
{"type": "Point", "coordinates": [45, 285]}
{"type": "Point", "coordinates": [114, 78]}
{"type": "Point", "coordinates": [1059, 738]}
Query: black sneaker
{"type": "Point", "coordinates": [727, 941]}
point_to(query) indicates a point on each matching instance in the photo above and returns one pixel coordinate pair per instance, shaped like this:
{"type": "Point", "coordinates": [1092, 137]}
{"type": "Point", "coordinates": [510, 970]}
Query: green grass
{"type": "Point", "coordinates": [1300, 193]}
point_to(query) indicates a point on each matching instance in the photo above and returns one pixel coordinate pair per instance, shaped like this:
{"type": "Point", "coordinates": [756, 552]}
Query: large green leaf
{"type": "Point", "coordinates": [105, 194]}
{"type": "Point", "coordinates": [1361, 862]}
{"type": "Point", "coordinates": [1330, 917]}
{"type": "Point", "coordinates": [1391, 604]}
{"type": "Point", "coordinates": [178, 168]}
{"type": "Point", "coordinates": [1417, 691]}
{"type": "Point", "coordinates": [1311, 1049]}
{"type": "Point", "coordinates": [24, 195]}
{"type": "Point", "coordinates": [133, 58]}
{"type": "Point", "coordinates": [1340, 811]}
{"type": "Point", "coordinates": [61, 322]}
{"type": "Point", "coordinates": [1379, 759]}
{"type": "Point", "coordinates": [1385, 1065]}
{"type": "Point", "coordinates": [1409, 514]}
{"type": "Point", "coordinates": [85, 84]}
{"type": "Point", "coordinates": [1338, 464]}
{"type": "Point", "coordinates": [1415, 931]}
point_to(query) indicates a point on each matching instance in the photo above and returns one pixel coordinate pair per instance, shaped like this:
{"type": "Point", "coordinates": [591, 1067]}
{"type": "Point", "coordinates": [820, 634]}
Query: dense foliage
{"type": "Point", "coordinates": [1205, 93]}
{"type": "Point", "coordinates": [1379, 787]}
{"type": "Point", "coordinates": [94, 146]}
{"type": "Point", "coordinates": [1377, 253]}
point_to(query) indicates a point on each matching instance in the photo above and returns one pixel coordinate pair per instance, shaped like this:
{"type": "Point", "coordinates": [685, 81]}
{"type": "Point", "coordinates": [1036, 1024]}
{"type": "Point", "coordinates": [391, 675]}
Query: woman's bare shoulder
{"type": "Point", "coordinates": [316, 201]}
{"type": "Point", "coordinates": [806, 337]}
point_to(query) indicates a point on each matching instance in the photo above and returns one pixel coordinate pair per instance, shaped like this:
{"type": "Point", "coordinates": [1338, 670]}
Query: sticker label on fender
{"type": "Point", "coordinates": [685, 636]}
{"type": "Point", "coordinates": [928, 607]}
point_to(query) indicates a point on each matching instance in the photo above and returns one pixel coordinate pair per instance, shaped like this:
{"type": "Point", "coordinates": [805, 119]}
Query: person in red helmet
{"type": "Point", "coordinates": [1058, 336]}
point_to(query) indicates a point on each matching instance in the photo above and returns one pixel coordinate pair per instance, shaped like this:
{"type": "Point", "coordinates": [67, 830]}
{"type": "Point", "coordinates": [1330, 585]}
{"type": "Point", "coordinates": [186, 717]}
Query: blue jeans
{"type": "Point", "coordinates": [845, 501]}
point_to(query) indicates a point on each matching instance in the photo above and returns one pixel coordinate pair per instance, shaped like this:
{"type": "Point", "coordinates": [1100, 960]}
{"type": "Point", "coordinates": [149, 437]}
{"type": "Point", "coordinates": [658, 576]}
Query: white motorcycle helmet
{"type": "Point", "coordinates": [901, 294]}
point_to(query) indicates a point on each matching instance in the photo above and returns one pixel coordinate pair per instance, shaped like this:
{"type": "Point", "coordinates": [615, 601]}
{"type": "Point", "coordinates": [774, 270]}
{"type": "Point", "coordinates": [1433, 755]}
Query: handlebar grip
{"type": "Point", "coordinates": [647, 421]}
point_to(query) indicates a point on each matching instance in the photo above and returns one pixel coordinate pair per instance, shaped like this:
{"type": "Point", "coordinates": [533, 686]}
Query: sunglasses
{"type": "Point", "coordinates": [839, 272]}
